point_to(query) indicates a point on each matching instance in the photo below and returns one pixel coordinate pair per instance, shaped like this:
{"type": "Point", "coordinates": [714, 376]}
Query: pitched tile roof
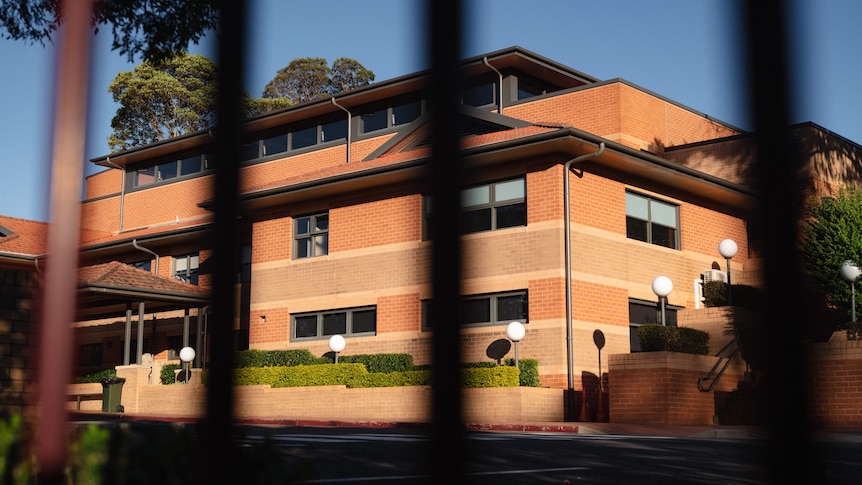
{"type": "Point", "coordinates": [119, 275]}
{"type": "Point", "coordinates": [23, 236]}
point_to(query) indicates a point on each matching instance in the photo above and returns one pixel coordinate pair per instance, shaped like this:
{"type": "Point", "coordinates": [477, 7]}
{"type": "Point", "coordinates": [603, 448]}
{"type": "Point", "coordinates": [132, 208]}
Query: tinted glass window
{"type": "Point", "coordinates": [249, 151]}
{"type": "Point", "coordinates": [190, 165]}
{"type": "Point", "coordinates": [480, 95]}
{"type": "Point", "coordinates": [305, 326]}
{"type": "Point", "coordinates": [168, 170]}
{"type": "Point", "coordinates": [303, 138]}
{"type": "Point", "coordinates": [476, 221]}
{"type": "Point", "coordinates": [512, 215]}
{"type": "Point", "coordinates": [276, 144]}
{"type": "Point", "coordinates": [374, 121]}
{"type": "Point", "coordinates": [512, 308]}
{"type": "Point", "coordinates": [477, 310]}
{"type": "Point", "coordinates": [406, 113]}
{"type": "Point", "coordinates": [335, 324]}
{"type": "Point", "coordinates": [364, 321]}
{"type": "Point", "coordinates": [336, 130]}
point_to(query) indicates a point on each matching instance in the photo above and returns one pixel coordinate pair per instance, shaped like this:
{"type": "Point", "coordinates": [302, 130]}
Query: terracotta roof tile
{"type": "Point", "coordinates": [27, 237]}
{"type": "Point", "coordinates": [119, 275]}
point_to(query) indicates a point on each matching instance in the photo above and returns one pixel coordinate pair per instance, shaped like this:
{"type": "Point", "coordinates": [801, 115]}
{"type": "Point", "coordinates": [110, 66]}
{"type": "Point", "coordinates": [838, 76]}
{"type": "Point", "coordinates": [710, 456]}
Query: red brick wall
{"type": "Point", "coordinates": [835, 383]}
{"type": "Point", "coordinates": [106, 182]}
{"type": "Point", "coordinates": [661, 388]}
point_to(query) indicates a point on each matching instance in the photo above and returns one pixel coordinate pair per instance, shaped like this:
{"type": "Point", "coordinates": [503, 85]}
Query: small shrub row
{"type": "Point", "coordinates": [299, 376]}
{"type": "Point", "coordinates": [654, 338]}
{"type": "Point", "coordinates": [854, 331]}
{"type": "Point", "coordinates": [498, 376]}
{"type": "Point", "coordinates": [95, 377]}
{"type": "Point", "coordinates": [277, 358]}
{"type": "Point", "coordinates": [380, 362]}
{"type": "Point", "coordinates": [392, 379]}
{"type": "Point", "coordinates": [356, 375]}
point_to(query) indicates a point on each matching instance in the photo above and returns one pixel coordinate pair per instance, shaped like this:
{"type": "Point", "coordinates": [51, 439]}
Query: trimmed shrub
{"type": "Point", "coordinates": [96, 376]}
{"type": "Point", "coordinates": [380, 362]}
{"type": "Point", "coordinates": [715, 293]}
{"type": "Point", "coordinates": [499, 376]}
{"type": "Point", "coordinates": [655, 338]}
{"type": "Point", "coordinates": [392, 379]}
{"type": "Point", "coordinates": [854, 331]}
{"type": "Point", "coordinates": [277, 358]}
{"type": "Point", "coordinates": [529, 372]}
{"type": "Point", "coordinates": [299, 376]}
{"type": "Point", "coordinates": [168, 375]}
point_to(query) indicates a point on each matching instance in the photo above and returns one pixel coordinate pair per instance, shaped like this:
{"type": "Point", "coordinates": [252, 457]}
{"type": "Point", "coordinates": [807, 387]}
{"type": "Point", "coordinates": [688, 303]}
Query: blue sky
{"type": "Point", "coordinates": [682, 49]}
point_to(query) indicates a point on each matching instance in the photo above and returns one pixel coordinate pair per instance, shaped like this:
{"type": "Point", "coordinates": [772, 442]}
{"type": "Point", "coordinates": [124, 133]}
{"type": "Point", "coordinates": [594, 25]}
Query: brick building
{"type": "Point", "coordinates": [336, 208]}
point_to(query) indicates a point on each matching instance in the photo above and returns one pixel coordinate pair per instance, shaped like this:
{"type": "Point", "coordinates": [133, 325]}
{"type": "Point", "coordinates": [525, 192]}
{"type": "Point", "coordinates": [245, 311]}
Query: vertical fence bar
{"type": "Point", "coordinates": [447, 440]}
{"type": "Point", "coordinates": [58, 302]}
{"type": "Point", "coordinates": [218, 460]}
{"type": "Point", "coordinates": [777, 233]}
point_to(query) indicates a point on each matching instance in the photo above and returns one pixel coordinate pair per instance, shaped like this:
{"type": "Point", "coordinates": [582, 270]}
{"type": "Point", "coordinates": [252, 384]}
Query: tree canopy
{"type": "Point", "coordinates": [163, 99]}
{"type": "Point", "coordinates": [833, 234]}
{"type": "Point", "coordinates": [308, 78]}
{"type": "Point", "coordinates": [169, 98]}
{"type": "Point", "coordinates": [154, 29]}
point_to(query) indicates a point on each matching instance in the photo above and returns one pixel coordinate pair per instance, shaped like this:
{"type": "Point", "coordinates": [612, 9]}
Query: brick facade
{"type": "Point", "coordinates": [17, 339]}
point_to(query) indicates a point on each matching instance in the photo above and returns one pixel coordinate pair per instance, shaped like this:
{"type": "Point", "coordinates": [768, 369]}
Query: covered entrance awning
{"type": "Point", "coordinates": [115, 289]}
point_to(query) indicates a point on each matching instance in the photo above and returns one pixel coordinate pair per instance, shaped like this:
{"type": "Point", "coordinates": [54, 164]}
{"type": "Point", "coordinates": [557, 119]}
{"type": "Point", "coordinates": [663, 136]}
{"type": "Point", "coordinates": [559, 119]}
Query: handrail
{"type": "Point", "coordinates": [726, 355]}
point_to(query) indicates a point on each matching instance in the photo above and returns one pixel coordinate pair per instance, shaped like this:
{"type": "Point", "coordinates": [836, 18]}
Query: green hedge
{"type": "Point", "coordinates": [654, 338]}
{"type": "Point", "coordinates": [380, 362]}
{"type": "Point", "coordinates": [168, 375]}
{"type": "Point", "coordinates": [499, 376]}
{"type": "Point", "coordinates": [299, 376]}
{"type": "Point", "coordinates": [95, 376]}
{"type": "Point", "coordinates": [277, 358]}
{"type": "Point", "coordinates": [392, 379]}
{"type": "Point", "coordinates": [529, 372]}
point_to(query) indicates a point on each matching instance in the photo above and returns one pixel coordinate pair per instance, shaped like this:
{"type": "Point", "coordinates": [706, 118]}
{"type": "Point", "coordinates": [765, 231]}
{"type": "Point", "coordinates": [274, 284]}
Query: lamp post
{"type": "Point", "coordinates": [662, 286]}
{"type": "Point", "coordinates": [515, 331]}
{"type": "Point", "coordinates": [850, 272]}
{"type": "Point", "coordinates": [187, 354]}
{"type": "Point", "coordinates": [728, 248]}
{"type": "Point", "coordinates": [336, 344]}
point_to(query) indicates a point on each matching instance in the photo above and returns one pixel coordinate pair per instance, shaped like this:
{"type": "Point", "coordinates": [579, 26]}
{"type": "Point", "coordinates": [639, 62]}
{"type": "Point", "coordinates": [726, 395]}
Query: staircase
{"type": "Point", "coordinates": [746, 405]}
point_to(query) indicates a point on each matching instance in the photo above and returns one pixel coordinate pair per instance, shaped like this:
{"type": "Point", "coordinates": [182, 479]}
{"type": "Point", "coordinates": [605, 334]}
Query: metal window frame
{"type": "Point", "coordinates": [319, 335]}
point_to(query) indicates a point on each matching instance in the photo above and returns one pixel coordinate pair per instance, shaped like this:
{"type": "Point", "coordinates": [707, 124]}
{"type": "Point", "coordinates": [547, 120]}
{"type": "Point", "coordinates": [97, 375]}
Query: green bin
{"type": "Point", "coordinates": [112, 392]}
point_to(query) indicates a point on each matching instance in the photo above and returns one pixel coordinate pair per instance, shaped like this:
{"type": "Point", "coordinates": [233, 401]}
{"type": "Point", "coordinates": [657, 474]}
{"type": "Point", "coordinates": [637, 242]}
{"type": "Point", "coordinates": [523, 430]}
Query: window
{"type": "Point", "coordinates": [311, 236]}
{"type": "Point", "coordinates": [186, 268]}
{"type": "Point", "coordinates": [90, 355]}
{"type": "Point", "coordinates": [486, 207]}
{"type": "Point", "coordinates": [357, 321]}
{"type": "Point", "coordinates": [175, 344]}
{"type": "Point", "coordinates": [479, 95]}
{"type": "Point", "coordinates": [652, 221]}
{"type": "Point", "coordinates": [144, 265]}
{"type": "Point", "coordinates": [4, 232]}
{"type": "Point", "coordinates": [642, 312]}
{"type": "Point", "coordinates": [335, 130]}
{"type": "Point", "coordinates": [274, 145]}
{"type": "Point", "coordinates": [494, 206]}
{"type": "Point", "coordinates": [388, 117]}
{"type": "Point", "coordinates": [488, 309]}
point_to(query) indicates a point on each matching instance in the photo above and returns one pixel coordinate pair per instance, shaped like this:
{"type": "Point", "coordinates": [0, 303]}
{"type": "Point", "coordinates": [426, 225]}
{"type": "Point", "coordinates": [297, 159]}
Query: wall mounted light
{"type": "Point", "coordinates": [263, 319]}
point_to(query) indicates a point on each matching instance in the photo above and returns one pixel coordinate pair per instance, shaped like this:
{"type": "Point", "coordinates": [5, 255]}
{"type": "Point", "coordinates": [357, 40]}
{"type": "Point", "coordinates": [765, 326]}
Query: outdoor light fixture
{"type": "Point", "coordinates": [263, 319]}
{"type": "Point", "coordinates": [728, 248]}
{"type": "Point", "coordinates": [187, 354]}
{"type": "Point", "coordinates": [850, 272]}
{"type": "Point", "coordinates": [662, 286]}
{"type": "Point", "coordinates": [515, 331]}
{"type": "Point", "coordinates": [336, 344]}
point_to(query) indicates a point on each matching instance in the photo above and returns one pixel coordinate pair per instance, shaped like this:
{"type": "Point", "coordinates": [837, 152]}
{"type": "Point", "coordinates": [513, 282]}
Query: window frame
{"type": "Point", "coordinates": [310, 236]}
{"type": "Point", "coordinates": [650, 200]}
{"type": "Point", "coordinates": [193, 272]}
{"type": "Point", "coordinates": [493, 308]}
{"type": "Point", "coordinates": [493, 206]}
{"type": "Point", "coordinates": [320, 331]}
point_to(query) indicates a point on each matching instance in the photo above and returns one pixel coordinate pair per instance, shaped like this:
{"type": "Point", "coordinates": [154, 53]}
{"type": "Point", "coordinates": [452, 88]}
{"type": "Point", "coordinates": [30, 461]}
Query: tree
{"type": "Point", "coordinates": [832, 234]}
{"type": "Point", "coordinates": [152, 28]}
{"type": "Point", "coordinates": [308, 78]}
{"type": "Point", "coordinates": [163, 99]}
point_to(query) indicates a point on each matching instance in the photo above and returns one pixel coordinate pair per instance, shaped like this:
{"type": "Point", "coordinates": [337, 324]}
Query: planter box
{"type": "Point", "coordinates": [661, 387]}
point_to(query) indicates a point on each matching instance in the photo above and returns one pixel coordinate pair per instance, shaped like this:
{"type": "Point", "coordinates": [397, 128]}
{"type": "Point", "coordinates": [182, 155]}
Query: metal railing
{"type": "Point", "coordinates": [725, 356]}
